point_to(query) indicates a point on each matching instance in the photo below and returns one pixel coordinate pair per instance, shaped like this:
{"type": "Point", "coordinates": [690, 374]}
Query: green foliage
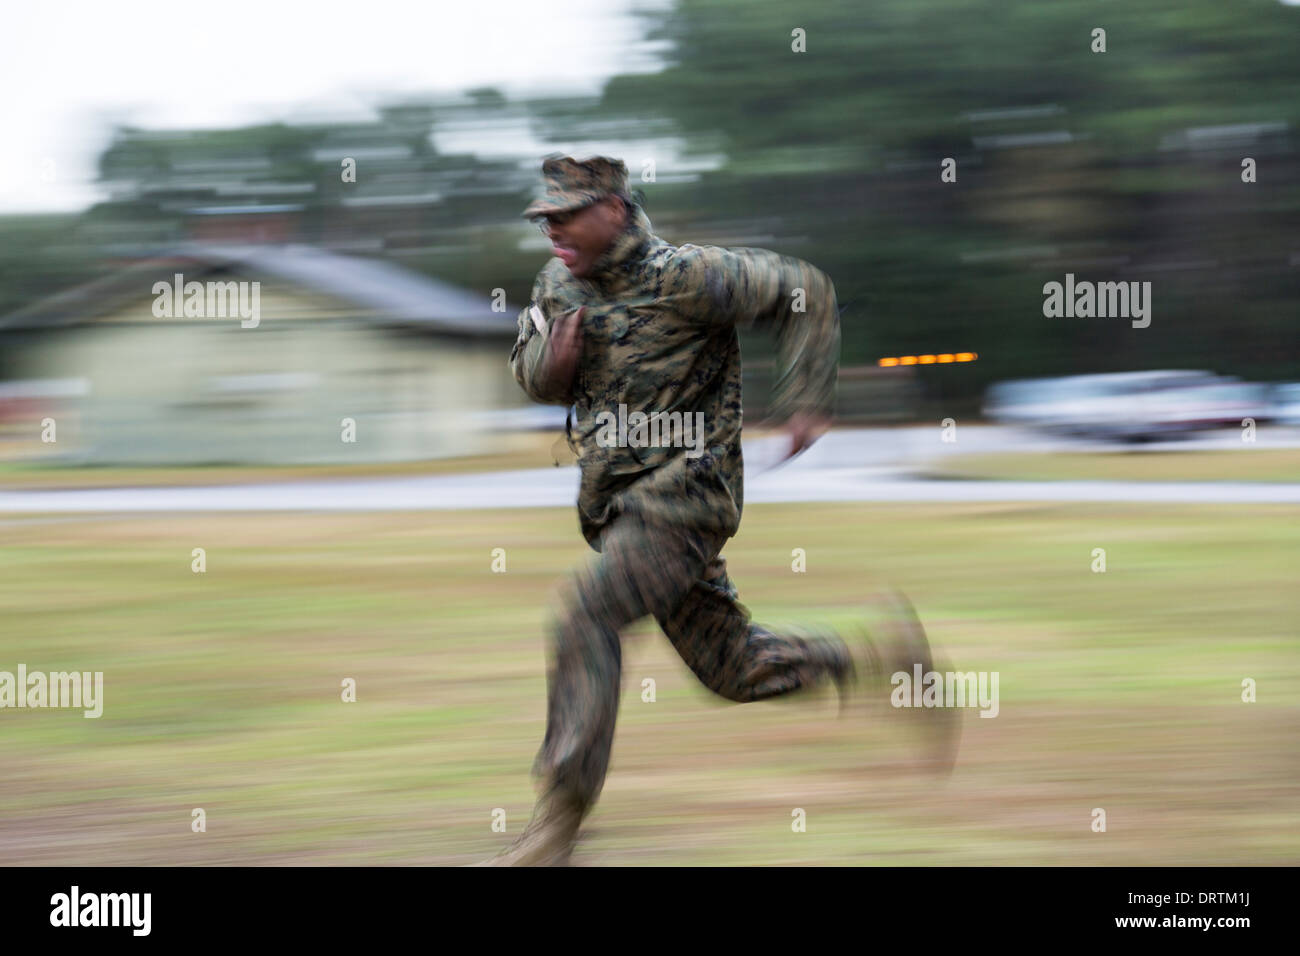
{"type": "Point", "coordinates": [41, 255]}
{"type": "Point", "coordinates": [1067, 161]}
{"type": "Point", "coordinates": [842, 145]}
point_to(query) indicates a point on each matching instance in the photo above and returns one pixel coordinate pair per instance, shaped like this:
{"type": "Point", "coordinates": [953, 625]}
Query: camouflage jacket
{"type": "Point", "coordinates": [659, 338]}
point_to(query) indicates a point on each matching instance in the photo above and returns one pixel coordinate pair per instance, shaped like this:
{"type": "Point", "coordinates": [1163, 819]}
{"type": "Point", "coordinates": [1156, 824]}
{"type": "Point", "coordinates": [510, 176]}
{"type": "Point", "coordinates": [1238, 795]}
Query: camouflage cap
{"type": "Point", "coordinates": [571, 184]}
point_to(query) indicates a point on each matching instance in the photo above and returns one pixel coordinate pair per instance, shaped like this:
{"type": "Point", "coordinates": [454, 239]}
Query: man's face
{"type": "Point", "coordinates": [580, 238]}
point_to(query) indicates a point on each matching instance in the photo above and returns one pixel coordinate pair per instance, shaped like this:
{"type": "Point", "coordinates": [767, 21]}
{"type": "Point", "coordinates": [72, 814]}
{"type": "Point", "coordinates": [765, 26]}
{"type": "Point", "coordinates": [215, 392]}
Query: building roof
{"type": "Point", "coordinates": [388, 293]}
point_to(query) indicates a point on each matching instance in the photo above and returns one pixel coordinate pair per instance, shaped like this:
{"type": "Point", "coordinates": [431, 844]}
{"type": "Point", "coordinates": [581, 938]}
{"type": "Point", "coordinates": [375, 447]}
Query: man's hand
{"type": "Point", "coordinates": [563, 349]}
{"type": "Point", "coordinates": [804, 429]}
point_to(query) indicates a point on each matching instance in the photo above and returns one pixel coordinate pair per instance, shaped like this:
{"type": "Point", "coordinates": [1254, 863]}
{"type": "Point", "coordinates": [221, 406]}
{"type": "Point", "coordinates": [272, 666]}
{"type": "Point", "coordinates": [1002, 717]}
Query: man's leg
{"type": "Point", "coordinates": [741, 661]}
{"type": "Point", "coordinates": [642, 570]}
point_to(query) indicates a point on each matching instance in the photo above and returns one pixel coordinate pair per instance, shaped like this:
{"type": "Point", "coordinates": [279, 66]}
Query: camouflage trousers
{"type": "Point", "coordinates": [675, 575]}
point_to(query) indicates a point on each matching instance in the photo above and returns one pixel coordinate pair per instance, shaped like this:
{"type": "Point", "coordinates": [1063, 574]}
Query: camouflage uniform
{"type": "Point", "coordinates": [660, 336]}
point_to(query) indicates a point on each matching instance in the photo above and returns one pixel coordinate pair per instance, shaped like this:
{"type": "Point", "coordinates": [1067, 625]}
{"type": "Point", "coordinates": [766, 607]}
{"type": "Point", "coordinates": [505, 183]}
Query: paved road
{"type": "Point", "coordinates": [847, 465]}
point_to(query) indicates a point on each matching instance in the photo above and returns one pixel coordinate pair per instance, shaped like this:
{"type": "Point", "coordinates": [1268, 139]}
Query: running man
{"type": "Point", "coordinates": [640, 337]}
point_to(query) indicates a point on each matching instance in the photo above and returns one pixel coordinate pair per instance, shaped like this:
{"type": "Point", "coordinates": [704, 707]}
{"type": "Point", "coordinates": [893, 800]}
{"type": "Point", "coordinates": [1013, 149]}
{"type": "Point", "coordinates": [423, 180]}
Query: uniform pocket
{"type": "Point", "coordinates": [617, 327]}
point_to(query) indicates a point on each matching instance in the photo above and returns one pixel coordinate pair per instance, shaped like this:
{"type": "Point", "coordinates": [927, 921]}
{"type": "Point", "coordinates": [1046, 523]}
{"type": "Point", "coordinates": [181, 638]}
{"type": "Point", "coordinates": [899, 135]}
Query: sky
{"type": "Point", "coordinates": [70, 71]}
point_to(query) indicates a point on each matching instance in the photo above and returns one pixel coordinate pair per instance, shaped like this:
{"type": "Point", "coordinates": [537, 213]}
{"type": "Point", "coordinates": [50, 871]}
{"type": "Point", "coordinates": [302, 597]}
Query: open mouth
{"type": "Point", "coordinates": [567, 254]}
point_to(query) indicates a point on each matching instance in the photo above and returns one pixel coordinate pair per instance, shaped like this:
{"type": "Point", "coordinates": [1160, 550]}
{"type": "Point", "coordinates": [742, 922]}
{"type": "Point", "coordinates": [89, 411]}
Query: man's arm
{"type": "Point", "coordinates": [745, 287]}
{"type": "Point", "coordinates": [544, 362]}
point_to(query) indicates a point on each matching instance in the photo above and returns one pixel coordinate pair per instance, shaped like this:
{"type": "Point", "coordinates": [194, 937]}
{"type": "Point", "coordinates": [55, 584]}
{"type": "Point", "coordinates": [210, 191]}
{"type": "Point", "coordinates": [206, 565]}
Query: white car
{"type": "Point", "coordinates": [1131, 406]}
{"type": "Point", "coordinates": [1286, 403]}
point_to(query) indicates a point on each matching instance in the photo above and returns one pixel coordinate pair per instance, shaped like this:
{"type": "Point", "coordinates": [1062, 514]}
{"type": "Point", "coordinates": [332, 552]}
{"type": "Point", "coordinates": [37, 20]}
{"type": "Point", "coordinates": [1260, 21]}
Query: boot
{"type": "Point", "coordinates": [896, 642]}
{"type": "Point", "coordinates": [549, 837]}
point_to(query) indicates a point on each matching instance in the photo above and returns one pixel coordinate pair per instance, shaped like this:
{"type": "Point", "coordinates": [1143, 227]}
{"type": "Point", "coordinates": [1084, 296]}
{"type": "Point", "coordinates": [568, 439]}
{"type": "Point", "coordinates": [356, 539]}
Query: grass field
{"type": "Point", "coordinates": [522, 450]}
{"type": "Point", "coordinates": [1119, 690]}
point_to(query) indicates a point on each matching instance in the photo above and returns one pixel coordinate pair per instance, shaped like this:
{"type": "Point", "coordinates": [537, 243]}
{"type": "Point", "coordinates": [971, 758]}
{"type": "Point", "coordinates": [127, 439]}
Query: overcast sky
{"type": "Point", "coordinates": [70, 70]}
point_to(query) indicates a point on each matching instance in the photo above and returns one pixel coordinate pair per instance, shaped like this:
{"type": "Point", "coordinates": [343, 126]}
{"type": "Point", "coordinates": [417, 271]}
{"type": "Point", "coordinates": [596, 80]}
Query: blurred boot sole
{"type": "Point", "coordinates": [901, 645]}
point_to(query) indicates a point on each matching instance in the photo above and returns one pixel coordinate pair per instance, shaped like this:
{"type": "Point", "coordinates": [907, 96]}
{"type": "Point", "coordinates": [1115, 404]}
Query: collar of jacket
{"type": "Point", "coordinates": [611, 268]}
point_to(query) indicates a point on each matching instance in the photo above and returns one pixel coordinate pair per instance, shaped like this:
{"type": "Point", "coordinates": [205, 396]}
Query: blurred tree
{"type": "Point", "coordinates": [1067, 161]}
{"type": "Point", "coordinates": [1115, 166]}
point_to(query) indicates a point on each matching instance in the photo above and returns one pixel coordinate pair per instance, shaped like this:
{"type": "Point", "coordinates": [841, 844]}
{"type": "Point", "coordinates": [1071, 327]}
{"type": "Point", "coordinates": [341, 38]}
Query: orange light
{"type": "Point", "coordinates": [944, 359]}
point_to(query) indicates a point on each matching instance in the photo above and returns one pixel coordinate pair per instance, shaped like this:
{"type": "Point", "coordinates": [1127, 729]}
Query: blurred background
{"type": "Point", "coordinates": [142, 140]}
{"type": "Point", "coordinates": [379, 293]}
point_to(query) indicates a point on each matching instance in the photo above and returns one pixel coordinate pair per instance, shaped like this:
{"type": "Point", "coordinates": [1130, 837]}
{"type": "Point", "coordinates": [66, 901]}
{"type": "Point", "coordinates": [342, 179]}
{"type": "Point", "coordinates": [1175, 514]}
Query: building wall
{"type": "Point", "coordinates": [191, 391]}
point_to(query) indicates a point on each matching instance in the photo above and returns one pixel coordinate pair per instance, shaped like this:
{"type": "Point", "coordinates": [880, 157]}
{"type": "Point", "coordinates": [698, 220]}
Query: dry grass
{"type": "Point", "coordinates": [222, 691]}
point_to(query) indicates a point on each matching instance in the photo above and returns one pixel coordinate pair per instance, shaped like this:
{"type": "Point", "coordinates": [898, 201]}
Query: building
{"type": "Point", "coordinates": [348, 360]}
